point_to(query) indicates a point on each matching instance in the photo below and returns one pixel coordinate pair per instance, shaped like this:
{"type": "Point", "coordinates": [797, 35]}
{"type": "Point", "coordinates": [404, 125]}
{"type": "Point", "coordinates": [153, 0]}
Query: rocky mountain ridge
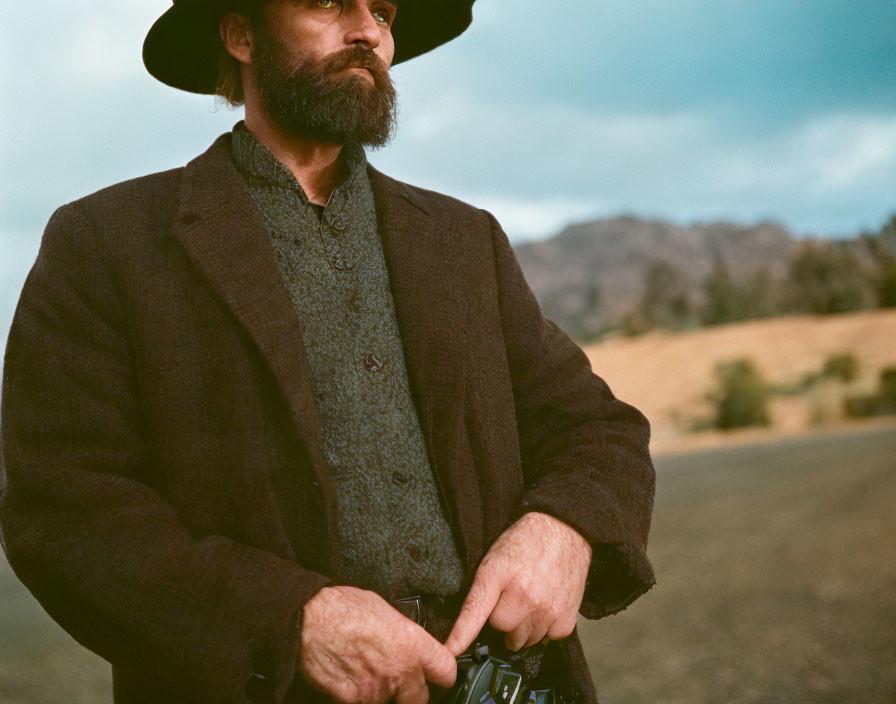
{"type": "Point", "coordinates": [591, 275]}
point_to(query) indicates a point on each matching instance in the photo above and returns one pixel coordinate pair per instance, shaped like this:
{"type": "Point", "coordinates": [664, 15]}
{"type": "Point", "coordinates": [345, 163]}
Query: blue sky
{"type": "Point", "coordinates": [543, 112]}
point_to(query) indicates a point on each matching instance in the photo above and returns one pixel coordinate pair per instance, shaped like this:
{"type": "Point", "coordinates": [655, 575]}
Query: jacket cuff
{"type": "Point", "coordinates": [275, 668]}
{"type": "Point", "coordinates": [620, 571]}
{"type": "Point", "coordinates": [618, 575]}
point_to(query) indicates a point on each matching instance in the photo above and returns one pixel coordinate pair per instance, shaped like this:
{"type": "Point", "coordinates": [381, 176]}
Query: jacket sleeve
{"type": "Point", "coordinates": [100, 549]}
{"type": "Point", "coordinates": [584, 453]}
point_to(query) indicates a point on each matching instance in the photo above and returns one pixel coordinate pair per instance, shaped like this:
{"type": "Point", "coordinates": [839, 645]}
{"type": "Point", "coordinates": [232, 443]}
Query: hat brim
{"type": "Point", "coordinates": [182, 47]}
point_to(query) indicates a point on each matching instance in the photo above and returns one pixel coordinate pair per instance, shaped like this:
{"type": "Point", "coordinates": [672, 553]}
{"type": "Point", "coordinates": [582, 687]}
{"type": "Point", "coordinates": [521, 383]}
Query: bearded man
{"type": "Point", "coordinates": [280, 428]}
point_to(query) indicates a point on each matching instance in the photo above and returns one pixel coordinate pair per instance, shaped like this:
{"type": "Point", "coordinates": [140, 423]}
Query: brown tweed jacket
{"type": "Point", "coordinates": [167, 500]}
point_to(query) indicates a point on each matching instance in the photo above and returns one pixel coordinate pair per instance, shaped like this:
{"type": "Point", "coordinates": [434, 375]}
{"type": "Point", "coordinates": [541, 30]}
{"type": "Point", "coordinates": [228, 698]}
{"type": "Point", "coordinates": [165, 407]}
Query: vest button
{"type": "Point", "coordinates": [373, 363]}
{"type": "Point", "coordinates": [399, 479]}
{"type": "Point", "coordinates": [415, 551]}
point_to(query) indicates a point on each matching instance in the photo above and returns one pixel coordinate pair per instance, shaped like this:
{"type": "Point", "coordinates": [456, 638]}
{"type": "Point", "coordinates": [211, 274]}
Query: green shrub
{"type": "Point", "coordinates": [886, 282]}
{"type": "Point", "coordinates": [634, 323]}
{"type": "Point", "coordinates": [828, 278]}
{"type": "Point", "coordinates": [743, 397]}
{"type": "Point", "coordinates": [860, 406]}
{"type": "Point", "coordinates": [887, 389]}
{"type": "Point", "coordinates": [666, 302]}
{"type": "Point", "coordinates": [879, 404]}
{"type": "Point", "coordinates": [844, 367]}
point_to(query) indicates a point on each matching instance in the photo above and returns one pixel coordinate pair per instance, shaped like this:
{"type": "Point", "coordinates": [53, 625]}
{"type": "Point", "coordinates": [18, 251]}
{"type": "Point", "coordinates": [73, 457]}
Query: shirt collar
{"type": "Point", "coordinates": [253, 158]}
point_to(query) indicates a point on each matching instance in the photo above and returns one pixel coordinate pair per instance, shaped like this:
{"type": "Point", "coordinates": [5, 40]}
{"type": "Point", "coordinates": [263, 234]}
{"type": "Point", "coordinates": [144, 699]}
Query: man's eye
{"type": "Point", "coordinates": [382, 16]}
{"type": "Point", "coordinates": [326, 3]}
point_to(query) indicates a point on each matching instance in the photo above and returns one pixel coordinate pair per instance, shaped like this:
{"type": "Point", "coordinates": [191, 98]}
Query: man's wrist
{"type": "Point", "coordinates": [575, 537]}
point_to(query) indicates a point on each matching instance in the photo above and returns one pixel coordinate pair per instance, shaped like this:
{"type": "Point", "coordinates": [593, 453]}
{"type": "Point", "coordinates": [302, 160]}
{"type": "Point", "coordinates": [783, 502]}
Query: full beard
{"type": "Point", "coordinates": [305, 97]}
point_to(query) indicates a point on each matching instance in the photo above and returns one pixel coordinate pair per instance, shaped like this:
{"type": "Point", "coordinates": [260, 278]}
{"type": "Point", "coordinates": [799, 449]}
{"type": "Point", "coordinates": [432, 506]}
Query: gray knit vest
{"type": "Point", "coordinates": [394, 534]}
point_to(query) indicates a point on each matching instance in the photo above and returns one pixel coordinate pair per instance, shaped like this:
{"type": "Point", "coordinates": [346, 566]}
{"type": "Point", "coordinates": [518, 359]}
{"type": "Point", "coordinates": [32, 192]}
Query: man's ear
{"type": "Point", "coordinates": [236, 33]}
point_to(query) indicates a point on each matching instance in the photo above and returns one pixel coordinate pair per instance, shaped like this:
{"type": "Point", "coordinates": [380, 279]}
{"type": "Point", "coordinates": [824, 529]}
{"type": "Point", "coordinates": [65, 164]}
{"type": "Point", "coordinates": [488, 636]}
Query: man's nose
{"type": "Point", "coordinates": [362, 27]}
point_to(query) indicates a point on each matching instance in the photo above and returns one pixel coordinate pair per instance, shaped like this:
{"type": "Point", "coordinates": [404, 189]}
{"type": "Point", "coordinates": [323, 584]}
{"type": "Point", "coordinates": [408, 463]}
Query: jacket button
{"type": "Point", "coordinates": [399, 479]}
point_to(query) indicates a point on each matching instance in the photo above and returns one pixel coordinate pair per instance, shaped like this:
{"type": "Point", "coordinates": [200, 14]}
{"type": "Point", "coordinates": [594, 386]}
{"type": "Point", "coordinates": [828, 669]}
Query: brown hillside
{"type": "Point", "coordinates": [589, 275]}
{"type": "Point", "coordinates": [668, 375]}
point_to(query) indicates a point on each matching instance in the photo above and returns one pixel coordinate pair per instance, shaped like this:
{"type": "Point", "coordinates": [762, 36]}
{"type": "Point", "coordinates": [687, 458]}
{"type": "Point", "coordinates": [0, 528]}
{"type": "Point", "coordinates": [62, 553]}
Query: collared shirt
{"type": "Point", "coordinates": [394, 534]}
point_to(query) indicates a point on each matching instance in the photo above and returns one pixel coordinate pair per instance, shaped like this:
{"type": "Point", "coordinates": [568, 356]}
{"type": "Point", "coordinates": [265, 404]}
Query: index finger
{"type": "Point", "coordinates": [474, 612]}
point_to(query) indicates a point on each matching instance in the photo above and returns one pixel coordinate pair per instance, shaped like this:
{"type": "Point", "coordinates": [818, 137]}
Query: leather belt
{"type": "Point", "coordinates": [412, 607]}
{"type": "Point", "coordinates": [436, 614]}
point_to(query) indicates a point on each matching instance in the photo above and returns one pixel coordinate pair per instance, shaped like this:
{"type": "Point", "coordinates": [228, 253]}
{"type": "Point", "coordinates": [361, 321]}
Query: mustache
{"type": "Point", "coordinates": [358, 56]}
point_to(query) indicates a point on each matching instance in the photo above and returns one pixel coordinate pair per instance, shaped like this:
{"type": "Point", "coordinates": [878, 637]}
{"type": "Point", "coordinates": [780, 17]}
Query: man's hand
{"type": "Point", "coordinates": [356, 648]}
{"type": "Point", "coordinates": [529, 584]}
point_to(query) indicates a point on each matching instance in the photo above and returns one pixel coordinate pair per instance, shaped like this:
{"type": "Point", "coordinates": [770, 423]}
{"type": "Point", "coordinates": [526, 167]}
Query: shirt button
{"type": "Point", "coordinates": [373, 363]}
{"type": "Point", "coordinates": [415, 551]}
{"type": "Point", "coordinates": [399, 479]}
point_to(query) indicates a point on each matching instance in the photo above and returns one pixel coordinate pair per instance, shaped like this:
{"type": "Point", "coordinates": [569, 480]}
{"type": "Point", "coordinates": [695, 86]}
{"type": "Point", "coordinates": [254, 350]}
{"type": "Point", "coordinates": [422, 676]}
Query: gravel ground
{"type": "Point", "coordinates": [776, 570]}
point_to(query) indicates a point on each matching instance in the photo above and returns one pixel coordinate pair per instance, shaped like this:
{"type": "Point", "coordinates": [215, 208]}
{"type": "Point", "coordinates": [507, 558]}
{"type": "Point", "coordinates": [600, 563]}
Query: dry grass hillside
{"type": "Point", "coordinates": [668, 376]}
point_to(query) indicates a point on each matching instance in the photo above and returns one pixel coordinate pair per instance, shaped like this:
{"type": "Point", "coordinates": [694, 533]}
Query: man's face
{"type": "Point", "coordinates": [321, 69]}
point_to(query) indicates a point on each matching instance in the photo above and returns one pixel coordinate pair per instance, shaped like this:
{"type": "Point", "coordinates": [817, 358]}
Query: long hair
{"type": "Point", "coordinates": [229, 86]}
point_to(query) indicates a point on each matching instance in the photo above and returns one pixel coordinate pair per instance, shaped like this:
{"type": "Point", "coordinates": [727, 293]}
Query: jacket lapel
{"type": "Point", "coordinates": [219, 226]}
{"type": "Point", "coordinates": [420, 258]}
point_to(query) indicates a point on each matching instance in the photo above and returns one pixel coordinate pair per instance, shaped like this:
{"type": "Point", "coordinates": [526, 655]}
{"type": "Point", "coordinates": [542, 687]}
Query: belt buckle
{"type": "Point", "coordinates": [417, 601]}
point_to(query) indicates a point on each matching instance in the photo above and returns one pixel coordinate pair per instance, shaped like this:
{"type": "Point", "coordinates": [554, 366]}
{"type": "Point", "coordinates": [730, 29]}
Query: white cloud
{"type": "Point", "coordinates": [816, 175]}
{"type": "Point", "coordinates": [525, 219]}
{"type": "Point", "coordinates": [846, 150]}
{"type": "Point", "coordinates": [820, 174]}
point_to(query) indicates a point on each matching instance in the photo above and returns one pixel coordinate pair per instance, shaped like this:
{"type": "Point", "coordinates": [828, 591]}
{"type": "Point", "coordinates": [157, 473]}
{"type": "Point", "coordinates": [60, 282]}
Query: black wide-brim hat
{"type": "Point", "coordinates": [183, 47]}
